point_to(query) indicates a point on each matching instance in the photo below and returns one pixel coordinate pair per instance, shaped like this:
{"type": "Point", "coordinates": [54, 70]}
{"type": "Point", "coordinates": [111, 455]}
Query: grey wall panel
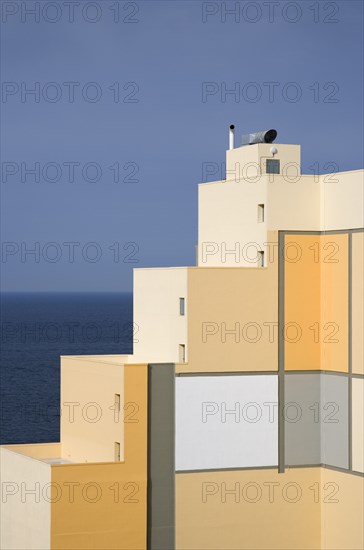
{"type": "Point", "coordinates": [302, 424]}
{"type": "Point", "coordinates": [334, 421]}
{"type": "Point", "coordinates": [161, 460]}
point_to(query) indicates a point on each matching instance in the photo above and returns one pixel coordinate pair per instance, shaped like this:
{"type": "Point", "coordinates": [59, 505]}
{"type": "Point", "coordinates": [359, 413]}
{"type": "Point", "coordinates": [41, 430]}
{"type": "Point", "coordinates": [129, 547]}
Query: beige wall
{"type": "Point", "coordinates": [25, 515]}
{"type": "Point", "coordinates": [90, 426]}
{"type": "Point", "coordinates": [160, 327]}
{"type": "Point", "coordinates": [206, 521]}
{"type": "Point", "coordinates": [342, 526]}
{"type": "Point", "coordinates": [358, 303]}
{"type": "Point", "coordinates": [244, 300]}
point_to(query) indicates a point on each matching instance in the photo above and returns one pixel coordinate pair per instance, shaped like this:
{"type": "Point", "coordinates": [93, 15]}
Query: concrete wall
{"type": "Point", "coordinates": [25, 505]}
{"type": "Point", "coordinates": [90, 426]}
{"type": "Point", "coordinates": [160, 327]}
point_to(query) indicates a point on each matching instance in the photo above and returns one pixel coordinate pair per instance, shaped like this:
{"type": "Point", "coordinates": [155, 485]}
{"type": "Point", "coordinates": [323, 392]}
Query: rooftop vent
{"type": "Point", "coordinates": [267, 136]}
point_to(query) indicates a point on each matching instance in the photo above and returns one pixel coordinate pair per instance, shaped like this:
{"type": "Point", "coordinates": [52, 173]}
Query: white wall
{"type": "Point", "coordinates": [25, 518]}
{"type": "Point", "coordinates": [160, 327]}
{"type": "Point", "coordinates": [208, 438]}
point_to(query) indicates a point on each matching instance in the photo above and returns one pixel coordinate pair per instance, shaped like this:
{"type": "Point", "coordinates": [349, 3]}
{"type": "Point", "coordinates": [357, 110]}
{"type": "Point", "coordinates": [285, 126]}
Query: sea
{"type": "Point", "coordinates": [36, 328]}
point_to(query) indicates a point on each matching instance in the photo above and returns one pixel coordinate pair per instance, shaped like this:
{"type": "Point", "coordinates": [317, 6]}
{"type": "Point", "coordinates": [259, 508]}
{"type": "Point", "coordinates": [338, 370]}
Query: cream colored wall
{"type": "Point", "coordinates": [89, 423]}
{"type": "Point", "coordinates": [249, 161]}
{"type": "Point", "coordinates": [342, 200]}
{"type": "Point", "coordinates": [244, 300]}
{"type": "Point", "coordinates": [358, 302]}
{"type": "Point", "coordinates": [257, 513]}
{"type": "Point", "coordinates": [26, 514]}
{"type": "Point", "coordinates": [342, 512]}
{"type": "Point", "coordinates": [358, 424]}
{"type": "Point", "coordinates": [228, 221]}
{"type": "Point", "coordinates": [293, 205]}
{"type": "Point", "coordinates": [160, 327]}
{"type": "Point", "coordinates": [39, 451]}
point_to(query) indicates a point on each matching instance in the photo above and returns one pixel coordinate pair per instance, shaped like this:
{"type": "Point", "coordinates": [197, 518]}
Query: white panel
{"type": "Point", "coordinates": [25, 507]}
{"type": "Point", "coordinates": [209, 437]}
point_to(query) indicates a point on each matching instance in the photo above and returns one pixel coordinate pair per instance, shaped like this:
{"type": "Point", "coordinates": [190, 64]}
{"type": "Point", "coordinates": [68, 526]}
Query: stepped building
{"type": "Point", "coordinates": [238, 421]}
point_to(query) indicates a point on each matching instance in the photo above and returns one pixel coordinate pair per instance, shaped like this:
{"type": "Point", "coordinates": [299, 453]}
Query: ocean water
{"type": "Point", "coordinates": [37, 328]}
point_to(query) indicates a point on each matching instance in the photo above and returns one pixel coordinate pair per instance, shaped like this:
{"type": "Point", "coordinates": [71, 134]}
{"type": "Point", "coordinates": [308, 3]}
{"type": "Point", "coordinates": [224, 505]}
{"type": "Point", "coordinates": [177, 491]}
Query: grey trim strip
{"type": "Point", "coordinates": [229, 373]}
{"type": "Point", "coordinates": [281, 401]}
{"type": "Point", "coordinates": [161, 457]}
{"type": "Point", "coordinates": [327, 232]}
{"type": "Point", "coordinates": [327, 467]}
{"type": "Point", "coordinates": [343, 470]}
{"type": "Point", "coordinates": [268, 372]}
{"type": "Point", "coordinates": [291, 467]}
{"type": "Point", "coordinates": [331, 372]}
{"type": "Point", "coordinates": [237, 469]}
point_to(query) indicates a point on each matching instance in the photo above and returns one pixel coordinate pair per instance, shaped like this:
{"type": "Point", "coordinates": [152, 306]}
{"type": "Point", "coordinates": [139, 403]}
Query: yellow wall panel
{"type": "Point", "coordinates": [302, 302]}
{"type": "Point", "coordinates": [334, 302]}
{"type": "Point", "coordinates": [264, 509]}
{"type": "Point", "coordinates": [342, 511]}
{"type": "Point", "coordinates": [316, 302]}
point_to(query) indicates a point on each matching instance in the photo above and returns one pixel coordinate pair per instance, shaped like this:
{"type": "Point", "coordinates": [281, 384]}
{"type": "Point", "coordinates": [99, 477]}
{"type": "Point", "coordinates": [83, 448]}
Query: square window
{"type": "Point", "coordinates": [272, 166]}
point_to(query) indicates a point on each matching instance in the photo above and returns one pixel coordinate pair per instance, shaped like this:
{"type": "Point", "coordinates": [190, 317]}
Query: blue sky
{"type": "Point", "coordinates": [138, 106]}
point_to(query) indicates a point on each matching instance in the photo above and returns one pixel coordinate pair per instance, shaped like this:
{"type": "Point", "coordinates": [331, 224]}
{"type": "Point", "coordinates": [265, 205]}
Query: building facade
{"type": "Point", "coordinates": [238, 421]}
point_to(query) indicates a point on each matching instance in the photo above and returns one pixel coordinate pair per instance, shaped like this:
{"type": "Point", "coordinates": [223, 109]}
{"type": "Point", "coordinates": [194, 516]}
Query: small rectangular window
{"type": "Point", "coordinates": [272, 166]}
{"type": "Point", "coordinates": [260, 213]}
{"type": "Point", "coordinates": [117, 402]}
{"type": "Point", "coordinates": [181, 306]}
{"type": "Point", "coordinates": [260, 258]}
{"type": "Point", "coordinates": [182, 353]}
{"type": "Point", "coordinates": [117, 451]}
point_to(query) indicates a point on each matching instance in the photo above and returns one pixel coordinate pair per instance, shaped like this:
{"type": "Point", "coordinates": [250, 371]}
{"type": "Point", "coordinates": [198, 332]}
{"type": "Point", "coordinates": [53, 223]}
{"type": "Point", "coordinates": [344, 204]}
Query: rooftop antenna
{"type": "Point", "coordinates": [231, 136]}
